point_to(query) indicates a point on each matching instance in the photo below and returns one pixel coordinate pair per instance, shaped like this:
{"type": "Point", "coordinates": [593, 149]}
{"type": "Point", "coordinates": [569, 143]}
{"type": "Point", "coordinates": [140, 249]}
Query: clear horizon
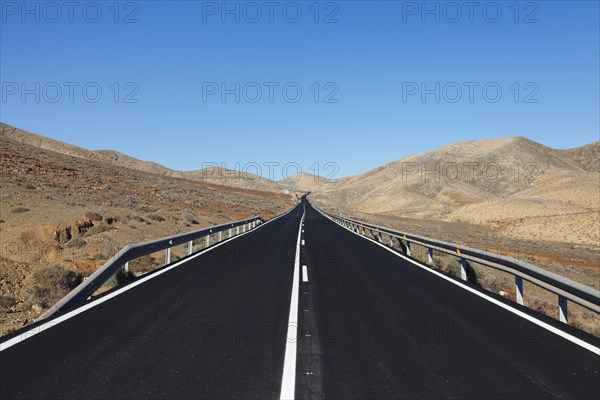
{"type": "Point", "coordinates": [358, 84]}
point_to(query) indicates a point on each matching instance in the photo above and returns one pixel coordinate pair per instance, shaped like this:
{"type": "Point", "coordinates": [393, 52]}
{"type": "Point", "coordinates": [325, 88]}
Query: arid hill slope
{"type": "Point", "coordinates": [520, 187]}
{"type": "Point", "coordinates": [303, 182]}
{"type": "Point", "coordinates": [62, 216]}
{"type": "Point", "coordinates": [215, 175]}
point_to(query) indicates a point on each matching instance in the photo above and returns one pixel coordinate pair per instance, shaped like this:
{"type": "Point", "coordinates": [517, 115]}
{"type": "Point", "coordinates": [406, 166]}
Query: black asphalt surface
{"type": "Point", "coordinates": [371, 325]}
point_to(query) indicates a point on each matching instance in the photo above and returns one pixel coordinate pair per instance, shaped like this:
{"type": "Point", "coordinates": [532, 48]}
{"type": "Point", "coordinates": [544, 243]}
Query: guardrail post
{"type": "Point", "coordinates": [430, 256]}
{"type": "Point", "coordinates": [519, 289]}
{"type": "Point", "coordinates": [126, 267]}
{"type": "Point", "coordinates": [463, 269]}
{"type": "Point", "coordinates": [168, 256]}
{"type": "Point", "coordinates": [563, 309]}
{"type": "Point", "coordinates": [237, 231]}
{"type": "Point", "coordinates": [220, 236]}
{"type": "Point", "coordinates": [207, 240]}
{"type": "Point", "coordinates": [230, 232]}
{"type": "Point", "coordinates": [190, 247]}
{"type": "Point", "coordinates": [407, 248]}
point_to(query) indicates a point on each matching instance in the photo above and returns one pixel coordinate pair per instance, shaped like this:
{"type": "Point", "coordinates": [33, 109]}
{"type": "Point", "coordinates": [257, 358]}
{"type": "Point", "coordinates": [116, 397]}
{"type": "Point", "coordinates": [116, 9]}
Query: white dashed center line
{"type": "Point", "coordinates": [288, 380]}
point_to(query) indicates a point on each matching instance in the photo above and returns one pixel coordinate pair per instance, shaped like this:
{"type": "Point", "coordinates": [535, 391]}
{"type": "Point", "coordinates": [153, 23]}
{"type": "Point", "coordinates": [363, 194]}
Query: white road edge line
{"type": "Point", "coordinates": [507, 307]}
{"type": "Point", "coordinates": [304, 274]}
{"type": "Point", "coordinates": [41, 328]}
{"type": "Point", "coordinates": [288, 379]}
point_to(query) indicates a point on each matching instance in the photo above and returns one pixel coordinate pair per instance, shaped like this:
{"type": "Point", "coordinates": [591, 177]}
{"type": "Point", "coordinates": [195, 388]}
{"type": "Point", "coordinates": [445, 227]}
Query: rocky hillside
{"type": "Point", "coordinates": [520, 187]}
{"type": "Point", "coordinates": [64, 213]}
{"type": "Point", "coordinates": [215, 175]}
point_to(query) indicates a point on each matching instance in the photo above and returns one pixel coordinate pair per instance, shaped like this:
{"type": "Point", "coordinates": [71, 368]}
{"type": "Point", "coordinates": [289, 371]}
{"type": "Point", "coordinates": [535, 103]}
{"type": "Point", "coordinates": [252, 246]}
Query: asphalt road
{"type": "Point", "coordinates": [370, 325]}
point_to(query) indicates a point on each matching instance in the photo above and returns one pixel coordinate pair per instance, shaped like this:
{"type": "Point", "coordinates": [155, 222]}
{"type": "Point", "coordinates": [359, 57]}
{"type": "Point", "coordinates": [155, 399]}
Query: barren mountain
{"type": "Point", "coordinates": [215, 175]}
{"type": "Point", "coordinates": [303, 182]}
{"type": "Point", "coordinates": [522, 189]}
{"type": "Point", "coordinates": [63, 213]}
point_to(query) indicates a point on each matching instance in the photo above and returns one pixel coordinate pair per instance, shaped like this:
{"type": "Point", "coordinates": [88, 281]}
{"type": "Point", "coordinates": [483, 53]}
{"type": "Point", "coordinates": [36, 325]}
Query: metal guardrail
{"type": "Point", "coordinates": [81, 293]}
{"type": "Point", "coordinates": [566, 289]}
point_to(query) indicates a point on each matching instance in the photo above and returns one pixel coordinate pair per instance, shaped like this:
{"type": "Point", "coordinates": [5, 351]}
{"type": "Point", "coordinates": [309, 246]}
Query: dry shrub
{"type": "Point", "coordinates": [96, 229]}
{"type": "Point", "coordinates": [156, 217]}
{"type": "Point", "coordinates": [6, 302]}
{"type": "Point", "coordinates": [51, 284]}
{"type": "Point", "coordinates": [93, 216]}
{"type": "Point", "coordinates": [76, 243]}
{"type": "Point", "coordinates": [143, 264]}
{"type": "Point", "coordinates": [57, 277]}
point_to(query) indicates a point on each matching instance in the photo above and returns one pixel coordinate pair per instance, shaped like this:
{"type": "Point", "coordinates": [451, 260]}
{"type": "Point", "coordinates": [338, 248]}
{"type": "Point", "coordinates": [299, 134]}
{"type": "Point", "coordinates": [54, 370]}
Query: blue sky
{"type": "Point", "coordinates": [162, 67]}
